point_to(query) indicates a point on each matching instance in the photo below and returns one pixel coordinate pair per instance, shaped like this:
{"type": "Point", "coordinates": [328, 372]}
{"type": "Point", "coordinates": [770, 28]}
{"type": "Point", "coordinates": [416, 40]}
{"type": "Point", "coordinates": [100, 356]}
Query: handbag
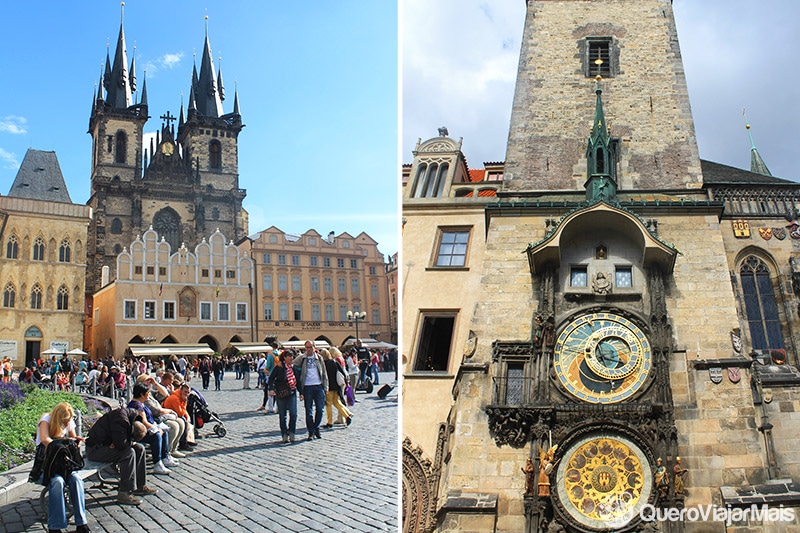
{"type": "Point", "coordinates": [350, 395]}
{"type": "Point", "coordinates": [282, 389]}
{"type": "Point", "coordinates": [340, 379]}
{"type": "Point", "coordinates": [38, 464]}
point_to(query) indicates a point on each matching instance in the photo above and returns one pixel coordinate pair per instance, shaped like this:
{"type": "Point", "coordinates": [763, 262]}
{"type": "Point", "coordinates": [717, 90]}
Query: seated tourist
{"type": "Point", "coordinates": [156, 436]}
{"type": "Point", "coordinates": [113, 439]}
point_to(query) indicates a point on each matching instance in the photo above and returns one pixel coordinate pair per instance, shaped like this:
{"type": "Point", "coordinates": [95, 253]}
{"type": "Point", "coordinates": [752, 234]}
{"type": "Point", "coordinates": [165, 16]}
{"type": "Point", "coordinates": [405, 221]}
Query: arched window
{"type": "Point", "coordinates": [12, 248]}
{"type": "Point", "coordinates": [215, 213]}
{"type": "Point", "coordinates": [167, 224]}
{"type": "Point", "coordinates": [38, 249]}
{"type": "Point", "coordinates": [760, 305]}
{"type": "Point", "coordinates": [441, 178]}
{"type": "Point", "coordinates": [418, 185]}
{"type": "Point", "coordinates": [117, 249]}
{"type": "Point", "coordinates": [64, 251]}
{"type": "Point", "coordinates": [122, 147]}
{"type": "Point", "coordinates": [62, 300]}
{"type": "Point", "coordinates": [36, 297]}
{"type": "Point", "coordinates": [9, 295]}
{"type": "Point", "coordinates": [600, 163]}
{"type": "Point", "coordinates": [215, 155]}
{"type": "Point", "coordinates": [116, 226]}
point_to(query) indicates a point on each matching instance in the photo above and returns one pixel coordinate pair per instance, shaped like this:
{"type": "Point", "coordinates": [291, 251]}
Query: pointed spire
{"type": "Point", "coordinates": [207, 95]}
{"type": "Point", "coordinates": [106, 77]}
{"type": "Point", "coordinates": [144, 89]}
{"type": "Point", "coordinates": [236, 99]}
{"type": "Point", "coordinates": [192, 103]}
{"type": "Point", "coordinates": [117, 82]}
{"type": "Point", "coordinates": [600, 157]}
{"type": "Point", "coordinates": [182, 117]}
{"type": "Point", "coordinates": [757, 164]}
{"type": "Point", "coordinates": [133, 70]}
{"type": "Point", "coordinates": [100, 89]}
{"type": "Point", "coordinates": [220, 86]}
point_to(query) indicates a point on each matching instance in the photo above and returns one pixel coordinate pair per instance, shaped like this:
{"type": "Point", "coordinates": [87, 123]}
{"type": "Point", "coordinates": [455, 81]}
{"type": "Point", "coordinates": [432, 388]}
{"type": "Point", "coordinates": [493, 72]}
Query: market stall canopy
{"type": "Point", "coordinates": [76, 351]}
{"type": "Point", "coordinates": [159, 350]}
{"type": "Point", "coordinates": [52, 351]}
{"type": "Point", "coordinates": [252, 347]}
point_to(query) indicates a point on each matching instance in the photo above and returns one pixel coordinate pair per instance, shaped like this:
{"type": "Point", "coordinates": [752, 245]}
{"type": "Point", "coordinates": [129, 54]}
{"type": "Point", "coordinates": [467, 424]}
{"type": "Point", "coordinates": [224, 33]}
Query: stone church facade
{"type": "Point", "coordinates": [611, 328]}
{"type": "Point", "coordinates": [185, 184]}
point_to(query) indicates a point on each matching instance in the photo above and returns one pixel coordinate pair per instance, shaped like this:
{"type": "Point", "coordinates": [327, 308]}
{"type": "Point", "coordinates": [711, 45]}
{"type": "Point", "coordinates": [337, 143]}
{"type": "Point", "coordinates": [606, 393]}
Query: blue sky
{"type": "Point", "coordinates": [317, 88]}
{"type": "Point", "coordinates": [460, 63]}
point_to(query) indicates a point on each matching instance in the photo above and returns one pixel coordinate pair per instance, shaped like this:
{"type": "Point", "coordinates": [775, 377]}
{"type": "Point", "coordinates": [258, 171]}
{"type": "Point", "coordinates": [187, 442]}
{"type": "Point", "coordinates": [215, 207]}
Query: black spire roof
{"type": "Point", "coordinates": [207, 93]}
{"type": "Point", "coordinates": [40, 178]}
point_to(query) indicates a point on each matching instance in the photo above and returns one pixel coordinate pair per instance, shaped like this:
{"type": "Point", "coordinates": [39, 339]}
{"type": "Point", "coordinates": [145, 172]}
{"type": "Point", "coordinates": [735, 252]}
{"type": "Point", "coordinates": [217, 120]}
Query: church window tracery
{"type": "Point", "coordinates": [64, 252]}
{"type": "Point", "coordinates": [38, 249]}
{"type": "Point", "coordinates": [12, 248]}
{"type": "Point", "coordinates": [9, 295]}
{"type": "Point", "coordinates": [167, 223]}
{"type": "Point", "coordinates": [36, 297]}
{"type": "Point", "coordinates": [62, 302]}
{"type": "Point", "coordinates": [761, 307]}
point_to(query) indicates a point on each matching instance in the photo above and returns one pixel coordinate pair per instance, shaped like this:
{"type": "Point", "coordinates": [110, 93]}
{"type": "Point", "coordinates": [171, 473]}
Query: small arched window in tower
{"type": "Point", "coordinates": [215, 213]}
{"type": "Point", "coordinates": [64, 252]}
{"type": "Point", "coordinates": [760, 305]}
{"type": "Point", "coordinates": [36, 297]}
{"type": "Point", "coordinates": [419, 181]}
{"type": "Point", "coordinates": [62, 300]}
{"type": "Point", "coordinates": [12, 247]}
{"type": "Point", "coordinates": [9, 295]}
{"type": "Point", "coordinates": [121, 147]}
{"type": "Point", "coordinates": [116, 226]}
{"type": "Point", "coordinates": [38, 249]}
{"type": "Point", "coordinates": [215, 155]}
{"type": "Point", "coordinates": [600, 162]}
{"type": "Point", "coordinates": [430, 180]}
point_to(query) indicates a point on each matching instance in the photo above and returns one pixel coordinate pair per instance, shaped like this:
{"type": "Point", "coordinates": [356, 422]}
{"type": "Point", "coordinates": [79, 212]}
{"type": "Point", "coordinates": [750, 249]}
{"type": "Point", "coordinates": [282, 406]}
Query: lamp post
{"type": "Point", "coordinates": [356, 316]}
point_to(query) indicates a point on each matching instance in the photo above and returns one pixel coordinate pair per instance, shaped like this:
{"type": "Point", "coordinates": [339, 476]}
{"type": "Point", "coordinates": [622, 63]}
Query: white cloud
{"type": "Point", "coordinates": [8, 159]}
{"type": "Point", "coordinates": [14, 125]}
{"type": "Point", "coordinates": [165, 62]}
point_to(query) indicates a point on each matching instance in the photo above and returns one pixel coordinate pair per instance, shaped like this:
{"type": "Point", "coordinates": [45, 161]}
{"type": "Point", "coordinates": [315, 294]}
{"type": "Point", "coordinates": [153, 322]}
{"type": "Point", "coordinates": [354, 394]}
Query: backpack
{"type": "Point", "coordinates": [62, 458]}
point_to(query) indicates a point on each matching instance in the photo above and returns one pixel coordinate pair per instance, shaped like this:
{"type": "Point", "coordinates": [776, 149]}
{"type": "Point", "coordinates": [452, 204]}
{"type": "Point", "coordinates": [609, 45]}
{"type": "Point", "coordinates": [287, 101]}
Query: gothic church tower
{"type": "Point", "coordinates": [185, 186]}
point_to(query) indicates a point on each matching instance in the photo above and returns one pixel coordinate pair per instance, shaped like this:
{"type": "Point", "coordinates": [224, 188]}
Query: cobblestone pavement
{"type": "Point", "coordinates": [250, 481]}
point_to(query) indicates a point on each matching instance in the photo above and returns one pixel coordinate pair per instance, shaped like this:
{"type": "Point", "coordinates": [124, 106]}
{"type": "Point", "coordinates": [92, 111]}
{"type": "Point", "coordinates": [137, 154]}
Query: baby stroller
{"type": "Point", "coordinates": [200, 414]}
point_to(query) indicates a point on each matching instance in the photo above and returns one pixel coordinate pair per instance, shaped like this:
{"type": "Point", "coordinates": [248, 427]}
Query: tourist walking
{"type": "Point", "coordinates": [282, 384]}
{"type": "Point", "coordinates": [337, 379]}
{"type": "Point", "coordinates": [312, 385]}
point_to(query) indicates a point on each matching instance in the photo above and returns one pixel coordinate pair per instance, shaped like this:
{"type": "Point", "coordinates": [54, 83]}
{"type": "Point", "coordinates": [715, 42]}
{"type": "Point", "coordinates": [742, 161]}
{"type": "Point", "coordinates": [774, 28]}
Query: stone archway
{"type": "Point", "coordinates": [419, 490]}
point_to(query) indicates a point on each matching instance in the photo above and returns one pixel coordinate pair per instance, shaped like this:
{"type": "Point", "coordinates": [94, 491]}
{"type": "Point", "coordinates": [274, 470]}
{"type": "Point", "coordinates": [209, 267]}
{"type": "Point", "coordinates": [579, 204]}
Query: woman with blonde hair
{"type": "Point", "coordinates": [59, 424]}
{"type": "Point", "coordinates": [335, 392]}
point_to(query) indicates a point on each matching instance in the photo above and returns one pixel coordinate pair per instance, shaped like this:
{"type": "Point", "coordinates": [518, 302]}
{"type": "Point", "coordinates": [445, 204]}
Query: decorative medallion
{"type": "Point", "coordinates": [794, 230]}
{"type": "Point", "coordinates": [602, 358]}
{"type": "Point", "coordinates": [603, 482]}
{"type": "Point", "coordinates": [741, 228]}
{"type": "Point", "coordinates": [736, 340]}
{"type": "Point", "coordinates": [779, 233]}
{"type": "Point", "coordinates": [734, 374]}
{"type": "Point", "coordinates": [778, 356]}
{"type": "Point", "coordinates": [715, 374]}
{"type": "Point", "coordinates": [766, 233]}
{"type": "Point", "coordinates": [767, 396]}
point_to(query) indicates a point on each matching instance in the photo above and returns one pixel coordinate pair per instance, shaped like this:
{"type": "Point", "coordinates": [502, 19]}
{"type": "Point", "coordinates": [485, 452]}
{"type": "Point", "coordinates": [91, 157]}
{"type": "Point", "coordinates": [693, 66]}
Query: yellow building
{"type": "Point", "coordinates": [307, 284]}
{"type": "Point", "coordinates": [43, 262]}
{"type": "Point", "coordinates": [202, 296]}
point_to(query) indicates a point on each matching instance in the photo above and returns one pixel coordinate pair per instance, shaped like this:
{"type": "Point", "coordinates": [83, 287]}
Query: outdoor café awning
{"type": "Point", "coordinates": [159, 350]}
{"type": "Point", "coordinates": [252, 347]}
{"type": "Point", "coordinates": [299, 345]}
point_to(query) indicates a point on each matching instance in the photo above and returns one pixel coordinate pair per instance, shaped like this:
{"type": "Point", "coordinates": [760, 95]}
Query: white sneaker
{"type": "Point", "coordinates": [160, 469]}
{"type": "Point", "coordinates": [170, 462]}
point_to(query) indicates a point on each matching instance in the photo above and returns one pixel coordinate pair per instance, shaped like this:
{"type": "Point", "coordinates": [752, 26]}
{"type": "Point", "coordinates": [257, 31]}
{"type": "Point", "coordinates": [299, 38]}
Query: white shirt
{"type": "Point", "coordinates": [312, 373]}
{"type": "Point", "coordinates": [46, 418]}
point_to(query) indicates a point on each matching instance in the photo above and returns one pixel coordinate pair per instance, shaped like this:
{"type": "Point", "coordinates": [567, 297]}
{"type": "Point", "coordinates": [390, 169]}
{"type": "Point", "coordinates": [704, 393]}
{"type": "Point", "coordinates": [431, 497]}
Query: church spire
{"type": "Point", "coordinates": [757, 164]}
{"type": "Point", "coordinates": [144, 89]}
{"type": "Point", "coordinates": [236, 100]}
{"type": "Point", "coordinates": [601, 158]}
{"type": "Point", "coordinates": [207, 94]}
{"type": "Point", "coordinates": [116, 80]}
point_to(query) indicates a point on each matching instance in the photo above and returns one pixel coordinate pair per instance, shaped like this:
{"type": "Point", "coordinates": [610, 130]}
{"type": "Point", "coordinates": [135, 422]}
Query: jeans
{"type": "Point", "coordinates": [375, 378]}
{"type": "Point", "coordinates": [56, 506]}
{"type": "Point", "coordinates": [217, 380]}
{"type": "Point", "coordinates": [159, 445]}
{"type": "Point", "coordinates": [314, 399]}
{"type": "Point", "coordinates": [287, 404]}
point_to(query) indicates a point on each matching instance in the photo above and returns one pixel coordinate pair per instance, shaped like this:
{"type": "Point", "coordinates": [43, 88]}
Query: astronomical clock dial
{"type": "Point", "coordinates": [603, 482]}
{"type": "Point", "coordinates": [602, 358]}
{"type": "Point", "coordinates": [167, 148]}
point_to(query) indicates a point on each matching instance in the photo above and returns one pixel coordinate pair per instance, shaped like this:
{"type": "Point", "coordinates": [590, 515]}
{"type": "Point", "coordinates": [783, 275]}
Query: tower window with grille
{"type": "Point", "coordinates": [215, 155]}
{"type": "Point", "coordinates": [760, 305]}
{"type": "Point", "coordinates": [599, 57]}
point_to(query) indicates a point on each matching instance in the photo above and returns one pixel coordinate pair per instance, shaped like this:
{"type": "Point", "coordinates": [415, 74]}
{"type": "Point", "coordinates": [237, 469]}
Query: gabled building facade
{"type": "Point", "coordinates": [618, 332]}
{"type": "Point", "coordinates": [42, 270]}
{"type": "Point", "coordinates": [161, 296]}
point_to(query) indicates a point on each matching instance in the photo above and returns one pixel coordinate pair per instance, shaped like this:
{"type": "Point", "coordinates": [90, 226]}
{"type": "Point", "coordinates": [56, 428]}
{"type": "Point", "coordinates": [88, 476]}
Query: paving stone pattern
{"type": "Point", "coordinates": [250, 481]}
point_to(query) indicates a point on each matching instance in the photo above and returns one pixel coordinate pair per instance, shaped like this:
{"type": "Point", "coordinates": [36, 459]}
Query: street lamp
{"type": "Point", "coordinates": [356, 316]}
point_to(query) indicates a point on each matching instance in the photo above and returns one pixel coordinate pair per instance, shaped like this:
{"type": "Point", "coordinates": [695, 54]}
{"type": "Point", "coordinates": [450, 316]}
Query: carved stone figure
{"type": "Point", "coordinates": [549, 333]}
{"type": "Point", "coordinates": [546, 465]}
{"type": "Point", "coordinates": [679, 473]}
{"type": "Point", "coordinates": [538, 331]}
{"type": "Point", "coordinates": [601, 284]}
{"type": "Point", "coordinates": [661, 479]}
{"type": "Point", "coordinates": [530, 479]}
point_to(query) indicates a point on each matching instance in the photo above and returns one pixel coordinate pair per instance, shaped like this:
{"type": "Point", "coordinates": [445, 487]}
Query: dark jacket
{"type": "Point", "coordinates": [114, 427]}
{"type": "Point", "coordinates": [332, 368]}
{"type": "Point", "coordinates": [279, 374]}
